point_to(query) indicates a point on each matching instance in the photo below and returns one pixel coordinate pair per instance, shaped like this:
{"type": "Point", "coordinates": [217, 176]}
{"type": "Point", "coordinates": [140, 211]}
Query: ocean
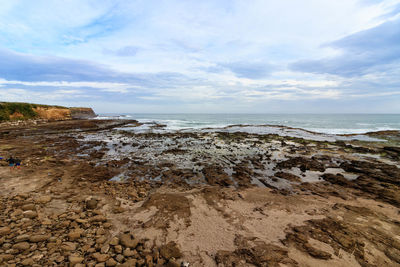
{"type": "Point", "coordinates": [321, 123]}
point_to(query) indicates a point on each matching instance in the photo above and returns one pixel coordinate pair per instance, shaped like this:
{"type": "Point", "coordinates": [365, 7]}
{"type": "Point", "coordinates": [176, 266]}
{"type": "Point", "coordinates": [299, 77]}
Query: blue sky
{"type": "Point", "coordinates": [216, 56]}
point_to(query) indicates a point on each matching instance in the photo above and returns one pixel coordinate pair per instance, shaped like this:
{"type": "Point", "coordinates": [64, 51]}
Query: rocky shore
{"type": "Point", "coordinates": [108, 193]}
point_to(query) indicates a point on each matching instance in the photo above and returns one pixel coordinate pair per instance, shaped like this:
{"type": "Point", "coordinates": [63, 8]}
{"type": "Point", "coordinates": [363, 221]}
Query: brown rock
{"type": "Point", "coordinates": [114, 241]}
{"type": "Point", "coordinates": [30, 214]}
{"type": "Point", "coordinates": [101, 257]}
{"type": "Point", "coordinates": [170, 250]}
{"type": "Point", "coordinates": [118, 249]}
{"type": "Point", "coordinates": [129, 263]}
{"type": "Point", "coordinates": [100, 231]}
{"type": "Point", "coordinates": [129, 253]}
{"type": "Point", "coordinates": [173, 263]}
{"type": "Point", "coordinates": [393, 254]}
{"type": "Point", "coordinates": [91, 204]}
{"type": "Point", "coordinates": [101, 240]}
{"type": "Point", "coordinates": [120, 258]}
{"type": "Point", "coordinates": [118, 209]}
{"type": "Point", "coordinates": [6, 257]}
{"type": "Point", "coordinates": [105, 248]}
{"type": "Point", "coordinates": [43, 199]}
{"type": "Point", "coordinates": [75, 234]}
{"type": "Point", "coordinates": [98, 218]}
{"type": "Point", "coordinates": [75, 260]}
{"type": "Point", "coordinates": [127, 241]}
{"type": "Point", "coordinates": [38, 238]}
{"type": "Point", "coordinates": [68, 246]}
{"type": "Point", "coordinates": [107, 225]}
{"type": "Point", "coordinates": [149, 260]}
{"type": "Point", "coordinates": [5, 230]}
{"type": "Point", "coordinates": [28, 207]}
{"type": "Point", "coordinates": [27, 262]}
{"type": "Point", "coordinates": [81, 221]}
{"type": "Point", "coordinates": [21, 238]}
{"type": "Point", "coordinates": [21, 246]}
{"type": "Point", "coordinates": [111, 262]}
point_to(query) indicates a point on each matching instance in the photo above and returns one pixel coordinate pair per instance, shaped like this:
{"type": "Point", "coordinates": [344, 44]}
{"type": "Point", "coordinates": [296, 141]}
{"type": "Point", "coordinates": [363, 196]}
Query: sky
{"type": "Point", "coordinates": [209, 56]}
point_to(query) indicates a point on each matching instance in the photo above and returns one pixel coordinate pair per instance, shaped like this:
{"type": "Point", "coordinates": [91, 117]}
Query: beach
{"type": "Point", "coordinates": [122, 192]}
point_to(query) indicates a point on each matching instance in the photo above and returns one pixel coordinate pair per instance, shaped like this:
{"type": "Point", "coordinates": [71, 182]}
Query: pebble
{"type": "Point", "coordinates": [5, 230]}
{"type": "Point", "coordinates": [21, 246]}
{"type": "Point", "coordinates": [75, 259]}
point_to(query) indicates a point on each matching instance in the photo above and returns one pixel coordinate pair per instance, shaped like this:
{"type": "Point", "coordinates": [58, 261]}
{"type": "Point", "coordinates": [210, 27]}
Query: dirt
{"type": "Point", "coordinates": [89, 194]}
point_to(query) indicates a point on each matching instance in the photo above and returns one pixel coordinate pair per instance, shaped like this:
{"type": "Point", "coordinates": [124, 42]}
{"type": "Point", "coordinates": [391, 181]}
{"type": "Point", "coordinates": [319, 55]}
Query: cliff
{"type": "Point", "coordinates": [25, 111]}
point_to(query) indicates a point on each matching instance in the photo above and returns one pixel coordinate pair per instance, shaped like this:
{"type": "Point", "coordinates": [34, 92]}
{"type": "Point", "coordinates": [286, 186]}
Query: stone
{"type": "Point", "coordinates": [6, 257]}
{"type": "Point", "coordinates": [120, 258]}
{"type": "Point", "coordinates": [114, 241]}
{"type": "Point", "coordinates": [37, 257]}
{"type": "Point", "coordinates": [68, 246]}
{"type": "Point", "coordinates": [129, 263]}
{"type": "Point", "coordinates": [170, 250]}
{"type": "Point", "coordinates": [105, 248]}
{"type": "Point", "coordinates": [101, 240]}
{"type": "Point", "coordinates": [98, 218]}
{"type": "Point", "coordinates": [21, 246]}
{"type": "Point", "coordinates": [118, 249]}
{"type": "Point", "coordinates": [74, 234]}
{"type": "Point", "coordinates": [75, 259]}
{"type": "Point", "coordinates": [173, 263]}
{"type": "Point", "coordinates": [46, 221]}
{"type": "Point", "coordinates": [5, 230]}
{"type": "Point", "coordinates": [21, 238]}
{"type": "Point", "coordinates": [149, 260]}
{"type": "Point", "coordinates": [100, 231]}
{"type": "Point", "coordinates": [30, 206]}
{"type": "Point", "coordinates": [127, 241]}
{"type": "Point", "coordinates": [91, 204]}
{"type": "Point", "coordinates": [43, 199]}
{"type": "Point", "coordinates": [101, 257]}
{"type": "Point", "coordinates": [118, 209]}
{"type": "Point", "coordinates": [27, 262]}
{"type": "Point", "coordinates": [38, 238]}
{"type": "Point", "coordinates": [129, 253]}
{"type": "Point", "coordinates": [111, 262]}
{"type": "Point", "coordinates": [107, 225]}
{"type": "Point", "coordinates": [30, 214]}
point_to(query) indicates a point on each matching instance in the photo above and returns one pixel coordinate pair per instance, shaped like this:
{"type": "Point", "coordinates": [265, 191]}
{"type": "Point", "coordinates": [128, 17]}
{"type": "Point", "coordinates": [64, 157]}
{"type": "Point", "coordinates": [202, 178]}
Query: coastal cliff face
{"type": "Point", "coordinates": [82, 113]}
{"type": "Point", "coordinates": [24, 111]}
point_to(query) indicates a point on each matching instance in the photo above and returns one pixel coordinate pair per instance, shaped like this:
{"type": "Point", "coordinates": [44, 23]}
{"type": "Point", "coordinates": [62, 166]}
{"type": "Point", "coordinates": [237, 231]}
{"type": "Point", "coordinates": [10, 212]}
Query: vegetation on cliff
{"type": "Point", "coordinates": [24, 111]}
{"type": "Point", "coordinates": [14, 110]}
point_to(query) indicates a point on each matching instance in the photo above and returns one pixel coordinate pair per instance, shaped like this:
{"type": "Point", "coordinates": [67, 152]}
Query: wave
{"type": "Point", "coordinates": [326, 124]}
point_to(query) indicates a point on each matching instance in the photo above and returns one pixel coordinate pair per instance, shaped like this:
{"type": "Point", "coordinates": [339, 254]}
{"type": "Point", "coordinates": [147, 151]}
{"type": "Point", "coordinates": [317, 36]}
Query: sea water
{"type": "Point", "coordinates": [321, 123]}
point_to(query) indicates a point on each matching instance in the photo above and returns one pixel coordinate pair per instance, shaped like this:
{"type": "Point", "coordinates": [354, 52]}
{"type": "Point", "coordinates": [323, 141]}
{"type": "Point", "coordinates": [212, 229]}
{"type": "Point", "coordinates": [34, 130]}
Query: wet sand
{"type": "Point", "coordinates": [114, 193]}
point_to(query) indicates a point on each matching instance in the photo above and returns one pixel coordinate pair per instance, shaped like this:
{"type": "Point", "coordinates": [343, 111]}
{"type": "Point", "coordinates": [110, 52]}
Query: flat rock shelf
{"type": "Point", "coordinates": [122, 193]}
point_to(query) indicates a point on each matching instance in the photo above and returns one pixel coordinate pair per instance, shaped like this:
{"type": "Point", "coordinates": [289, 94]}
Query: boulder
{"type": "Point", "coordinates": [127, 241]}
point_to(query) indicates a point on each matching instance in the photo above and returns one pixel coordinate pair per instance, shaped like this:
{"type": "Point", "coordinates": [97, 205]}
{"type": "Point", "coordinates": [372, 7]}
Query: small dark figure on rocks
{"type": "Point", "coordinates": [17, 163]}
{"type": "Point", "coordinates": [11, 161]}
{"type": "Point", "coordinates": [14, 162]}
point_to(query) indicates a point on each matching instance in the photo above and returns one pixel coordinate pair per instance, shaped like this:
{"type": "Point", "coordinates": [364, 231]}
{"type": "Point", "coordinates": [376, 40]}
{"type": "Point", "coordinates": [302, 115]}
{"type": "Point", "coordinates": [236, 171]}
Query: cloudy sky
{"type": "Point", "coordinates": [285, 56]}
